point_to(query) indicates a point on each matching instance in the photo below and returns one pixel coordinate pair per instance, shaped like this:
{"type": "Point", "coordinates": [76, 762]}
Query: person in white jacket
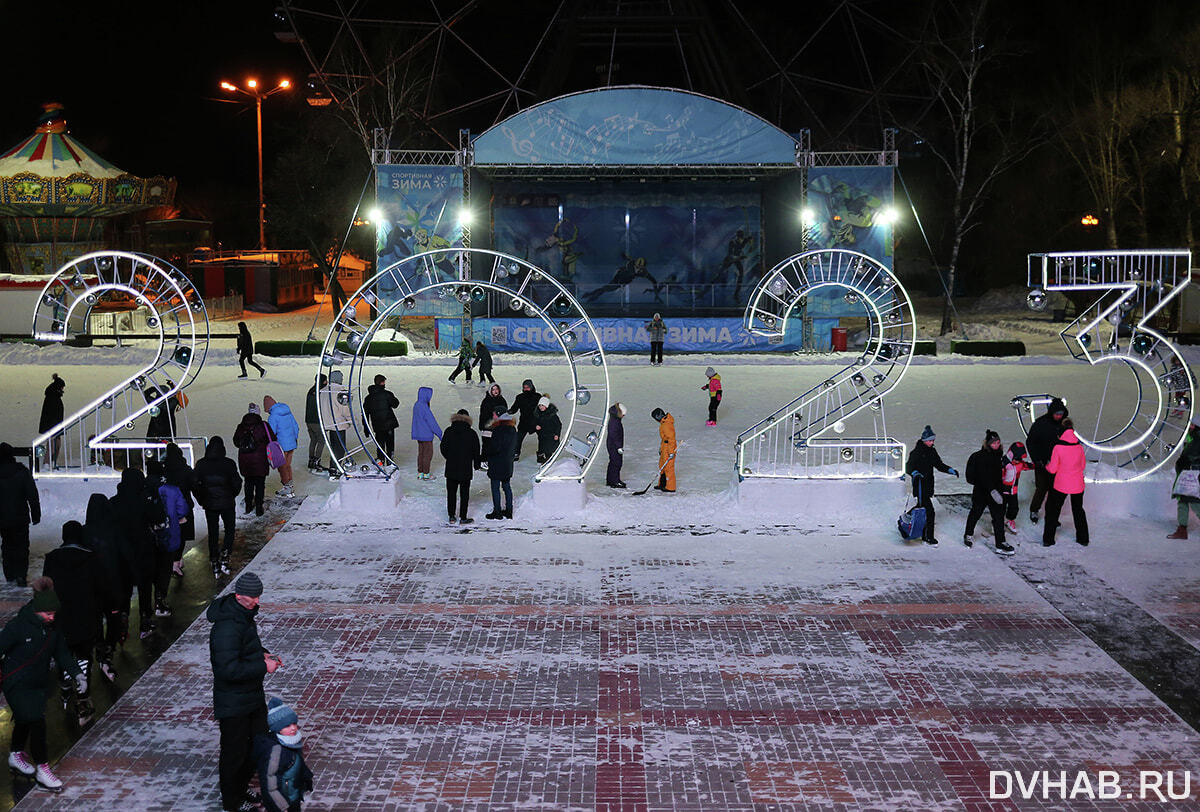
{"type": "Point", "coordinates": [335, 405]}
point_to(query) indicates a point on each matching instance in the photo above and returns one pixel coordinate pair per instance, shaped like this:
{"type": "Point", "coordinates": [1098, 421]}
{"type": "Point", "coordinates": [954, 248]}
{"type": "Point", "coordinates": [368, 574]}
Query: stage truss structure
{"type": "Point", "coordinates": [469, 275]}
{"type": "Point", "coordinates": [90, 438]}
{"type": "Point", "coordinates": [801, 439]}
{"type": "Point", "coordinates": [1118, 331]}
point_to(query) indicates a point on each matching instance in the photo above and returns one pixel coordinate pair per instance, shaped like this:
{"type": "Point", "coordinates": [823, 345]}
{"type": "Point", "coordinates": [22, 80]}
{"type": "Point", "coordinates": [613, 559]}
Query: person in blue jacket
{"type": "Point", "coordinates": [424, 428]}
{"type": "Point", "coordinates": [287, 432]}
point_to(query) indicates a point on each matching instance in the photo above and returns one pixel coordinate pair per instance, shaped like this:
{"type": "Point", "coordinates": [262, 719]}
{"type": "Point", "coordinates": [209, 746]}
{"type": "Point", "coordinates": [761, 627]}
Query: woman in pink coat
{"type": "Point", "coordinates": [1067, 462]}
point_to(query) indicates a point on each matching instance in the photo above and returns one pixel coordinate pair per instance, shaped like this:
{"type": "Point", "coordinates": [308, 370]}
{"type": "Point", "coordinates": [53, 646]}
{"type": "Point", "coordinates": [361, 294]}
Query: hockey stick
{"type": "Point", "coordinates": [662, 468]}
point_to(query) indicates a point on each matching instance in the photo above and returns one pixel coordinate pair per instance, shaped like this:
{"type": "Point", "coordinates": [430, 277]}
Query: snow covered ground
{"type": "Point", "coordinates": [787, 656]}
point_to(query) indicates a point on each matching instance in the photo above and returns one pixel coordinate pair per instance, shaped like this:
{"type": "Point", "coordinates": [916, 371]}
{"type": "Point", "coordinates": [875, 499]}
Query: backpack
{"type": "Point", "coordinates": [249, 443]}
{"type": "Point", "coordinates": [911, 523]}
{"type": "Point", "coordinates": [291, 782]}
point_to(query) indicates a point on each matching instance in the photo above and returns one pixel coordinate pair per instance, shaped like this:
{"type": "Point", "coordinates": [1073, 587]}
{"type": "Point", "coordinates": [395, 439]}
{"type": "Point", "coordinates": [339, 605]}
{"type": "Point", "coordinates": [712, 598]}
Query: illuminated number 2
{"type": "Point", "coordinates": [122, 282]}
{"type": "Point", "coordinates": [796, 441]}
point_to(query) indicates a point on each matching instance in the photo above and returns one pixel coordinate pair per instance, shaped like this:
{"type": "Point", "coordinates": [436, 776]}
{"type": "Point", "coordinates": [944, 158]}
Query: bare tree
{"type": "Point", "coordinates": [967, 128]}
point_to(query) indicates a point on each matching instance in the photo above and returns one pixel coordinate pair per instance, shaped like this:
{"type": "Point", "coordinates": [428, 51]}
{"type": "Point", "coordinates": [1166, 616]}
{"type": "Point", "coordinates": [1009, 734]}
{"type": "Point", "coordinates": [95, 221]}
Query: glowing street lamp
{"type": "Point", "coordinates": [253, 90]}
{"type": "Point", "coordinates": [1089, 220]}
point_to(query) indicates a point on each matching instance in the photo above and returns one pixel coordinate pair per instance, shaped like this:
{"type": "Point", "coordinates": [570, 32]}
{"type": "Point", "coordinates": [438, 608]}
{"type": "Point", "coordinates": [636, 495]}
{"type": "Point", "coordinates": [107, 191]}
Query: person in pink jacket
{"type": "Point", "coordinates": [1067, 462]}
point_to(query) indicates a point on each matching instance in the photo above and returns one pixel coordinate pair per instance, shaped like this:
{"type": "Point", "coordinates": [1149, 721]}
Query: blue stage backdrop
{"type": "Point", "coordinates": [615, 246]}
{"type": "Point", "coordinates": [420, 207]}
{"type": "Point", "coordinates": [683, 335]}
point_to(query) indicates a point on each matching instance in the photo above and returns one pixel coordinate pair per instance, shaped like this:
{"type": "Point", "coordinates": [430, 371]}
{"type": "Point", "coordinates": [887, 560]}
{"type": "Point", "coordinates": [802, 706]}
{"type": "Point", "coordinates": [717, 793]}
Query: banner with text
{"type": "Point", "coordinates": [419, 207]}
{"type": "Point", "coordinates": [617, 335]}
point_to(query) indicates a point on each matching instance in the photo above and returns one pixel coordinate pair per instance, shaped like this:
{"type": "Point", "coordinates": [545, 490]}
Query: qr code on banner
{"type": "Point", "coordinates": [775, 339]}
{"type": "Point", "coordinates": [499, 334]}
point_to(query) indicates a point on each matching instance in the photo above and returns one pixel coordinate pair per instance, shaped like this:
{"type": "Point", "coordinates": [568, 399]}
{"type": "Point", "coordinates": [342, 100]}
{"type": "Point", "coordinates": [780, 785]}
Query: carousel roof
{"type": "Point", "coordinates": [50, 174]}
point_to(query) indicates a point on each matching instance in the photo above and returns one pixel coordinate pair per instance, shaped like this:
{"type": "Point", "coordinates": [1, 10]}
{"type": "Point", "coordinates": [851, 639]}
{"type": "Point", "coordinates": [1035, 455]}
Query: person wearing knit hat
{"type": "Point", "coordinates": [713, 387]}
{"type": "Point", "coordinates": [549, 428]}
{"type": "Point", "coordinates": [239, 664]}
{"type": "Point", "coordinates": [251, 438]}
{"type": "Point", "coordinates": [1039, 442]}
{"type": "Point", "coordinates": [19, 507]}
{"type": "Point", "coordinates": [27, 644]}
{"type": "Point", "coordinates": [253, 408]}
{"type": "Point", "coordinates": [525, 405]}
{"type": "Point", "coordinates": [283, 776]}
{"type": "Point", "coordinates": [985, 472]}
{"type": "Point", "coordinates": [501, 453]}
{"type": "Point", "coordinates": [922, 461]}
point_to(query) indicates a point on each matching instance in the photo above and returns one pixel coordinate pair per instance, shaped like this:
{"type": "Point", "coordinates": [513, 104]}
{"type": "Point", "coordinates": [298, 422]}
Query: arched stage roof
{"type": "Point", "coordinates": [634, 126]}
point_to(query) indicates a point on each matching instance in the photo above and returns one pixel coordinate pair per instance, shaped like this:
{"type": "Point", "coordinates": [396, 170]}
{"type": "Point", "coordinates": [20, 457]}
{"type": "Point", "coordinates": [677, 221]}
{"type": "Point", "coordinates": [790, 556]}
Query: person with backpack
{"type": "Point", "coordinates": [251, 438]}
{"type": "Point", "coordinates": [168, 537]}
{"type": "Point", "coordinates": [286, 432]}
{"type": "Point", "coordinates": [27, 644]}
{"type": "Point", "coordinates": [217, 486]}
{"type": "Point", "coordinates": [922, 461]}
{"type": "Point", "coordinates": [283, 776]}
{"type": "Point", "coordinates": [73, 569]}
{"type": "Point", "coordinates": [985, 473]}
{"type": "Point", "coordinates": [245, 349]}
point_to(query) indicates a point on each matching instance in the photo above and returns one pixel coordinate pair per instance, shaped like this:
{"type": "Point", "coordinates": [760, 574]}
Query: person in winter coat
{"type": "Point", "coordinates": [27, 643]}
{"type": "Point", "coordinates": [178, 473]}
{"type": "Point", "coordinates": [99, 536]}
{"type": "Point", "coordinates": [251, 438]}
{"type": "Point", "coordinates": [287, 432]}
{"type": "Point", "coordinates": [500, 464]}
{"type": "Point", "coordinates": [73, 570]}
{"type": "Point", "coordinates": [667, 446]}
{"type": "Point", "coordinates": [526, 405]}
{"type": "Point", "coordinates": [1067, 463]}
{"type": "Point", "coordinates": [217, 486]}
{"type": "Point", "coordinates": [713, 387]}
{"type": "Point", "coordinates": [239, 664]}
{"type": "Point", "coordinates": [1043, 434]}
{"type": "Point", "coordinates": [922, 461]}
{"type": "Point", "coordinates": [657, 329]}
{"type": "Point", "coordinates": [549, 428]}
{"type": "Point", "coordinates": [616, 446]}
{"type": "Point", "coordinates": [1189, 460]}
{"type": "Point", "coordinates": [52, 415]}
{"type": "Point", "coordinates": [245, 348]}
{"type": "Point", "coordinates": [460, 447]}
{"type": "Point", "coordinates": [483, 357]}
{"type": "Point", "coordinates": [336, 399]}
{"type": "Point", "coordinates": [168, 538]}
{"type": "Point", "coordinates": [424, 429]}
{"type": "Point", "coordinates": [312, 422]}
{"type": "Point", "coordinates": [985, 473]}
{"type": "Point", "coordinates": [465, 354]}
{"type": "Point", "coordinates": [493, 404]}
{"type": "Point", "coordinates": [19, 508]}
{"type": "Point", "coordinates": [378, 408]}
{"type": "Point", "coordinates": [283, 776]}
{"type": "Point", "coordinates": [162, 425]}
{"type": "Point", "coordinates": [137, 510]}
{"type": "Point", "coordinates": [1016, 460]}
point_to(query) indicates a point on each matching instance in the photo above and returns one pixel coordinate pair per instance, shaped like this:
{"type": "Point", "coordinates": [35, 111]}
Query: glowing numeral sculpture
{"type": "Point", "coordinates": [521, 286]}
{"type": "Point", "coordinates": [802, 439]}
{"type": "Point", "coordinates": [1134, 288]}
{"type": "Point", "coordinates": [87, 439]}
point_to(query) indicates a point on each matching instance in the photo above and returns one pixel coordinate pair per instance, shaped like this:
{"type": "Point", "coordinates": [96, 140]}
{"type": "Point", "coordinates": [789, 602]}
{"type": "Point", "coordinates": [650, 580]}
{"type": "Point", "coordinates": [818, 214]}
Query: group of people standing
{"type": "Point", "coordinates": [1051, 450]}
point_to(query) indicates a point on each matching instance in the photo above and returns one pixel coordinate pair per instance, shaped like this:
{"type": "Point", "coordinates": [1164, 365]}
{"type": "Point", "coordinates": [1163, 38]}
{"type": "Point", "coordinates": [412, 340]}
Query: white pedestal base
{"type": "Point", "coordinates": [819, 499]}
{"type": "Point", "coordinates": [369, 494]}
{"type": "Point", "coordinates": [559, 498]}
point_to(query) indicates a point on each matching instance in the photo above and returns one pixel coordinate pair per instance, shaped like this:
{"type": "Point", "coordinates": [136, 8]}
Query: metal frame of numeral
{"type": "Point", "coordinates": [175, 311]}
{"type": "Point", "coordinates": [478, 273]}
{"type": "Point", "coordinates": [795, 441]}
{"type": "Point", "coordinates": [1134, 288]}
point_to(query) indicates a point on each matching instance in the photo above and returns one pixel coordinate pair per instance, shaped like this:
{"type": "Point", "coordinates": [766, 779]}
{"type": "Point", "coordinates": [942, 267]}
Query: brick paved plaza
{"type": "Point", "coordinates": [435, 669]}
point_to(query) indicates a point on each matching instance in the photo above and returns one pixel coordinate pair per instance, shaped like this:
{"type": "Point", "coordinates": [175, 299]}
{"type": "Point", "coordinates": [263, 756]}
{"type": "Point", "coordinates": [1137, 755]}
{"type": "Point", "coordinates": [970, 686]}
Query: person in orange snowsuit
{"type": "Point", "coordinates": [666, 450]}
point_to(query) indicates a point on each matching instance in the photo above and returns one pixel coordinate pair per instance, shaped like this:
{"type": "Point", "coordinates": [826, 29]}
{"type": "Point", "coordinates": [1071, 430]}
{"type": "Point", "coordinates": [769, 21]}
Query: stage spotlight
{"type": "Point", "coordinates": [887, 216]}
{"type": "Point", "coordinates": [465, 217]}
{"type": "Point", "coordinates": [376, 215]}
{"type": "Point", "coordinates": [808, 216]}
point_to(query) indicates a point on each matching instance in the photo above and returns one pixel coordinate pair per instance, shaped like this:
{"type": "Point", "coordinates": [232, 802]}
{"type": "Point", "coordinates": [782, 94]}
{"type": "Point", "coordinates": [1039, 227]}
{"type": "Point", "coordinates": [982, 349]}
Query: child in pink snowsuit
{"type": "Point", "coordinates": [714, 395]}
{"type": "Point", "coordinates": [1016, 460]}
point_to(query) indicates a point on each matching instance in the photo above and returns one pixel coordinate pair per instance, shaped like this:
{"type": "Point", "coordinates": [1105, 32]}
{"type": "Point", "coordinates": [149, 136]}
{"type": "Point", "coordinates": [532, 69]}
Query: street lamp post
{"type": "Point", "coordinates": [253, 90]}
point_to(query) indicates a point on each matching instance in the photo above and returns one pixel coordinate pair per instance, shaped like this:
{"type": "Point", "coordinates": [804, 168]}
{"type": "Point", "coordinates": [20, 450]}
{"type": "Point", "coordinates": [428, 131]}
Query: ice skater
{"type": "Point", "coordinates": [245, 348]}
{"type": "Point", "coordinates": [713, 387]}
{"type": "Point", "coordinates": [483, 358]}
{"type": "Point", "coordinates": [985, 473]}
{"type": "Point", "coordinates": [465, 354]}
{"type": "Point", "coordinates": [616, 446]}
{"type": "Point", "coordinates": [922, 461]}
{"type": "Point", "coordinates": [657, 329]}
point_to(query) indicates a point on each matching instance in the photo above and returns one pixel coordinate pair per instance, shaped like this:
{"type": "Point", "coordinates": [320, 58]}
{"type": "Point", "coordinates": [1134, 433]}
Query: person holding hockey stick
{"type": "Point", "coordinates": [666, 450]}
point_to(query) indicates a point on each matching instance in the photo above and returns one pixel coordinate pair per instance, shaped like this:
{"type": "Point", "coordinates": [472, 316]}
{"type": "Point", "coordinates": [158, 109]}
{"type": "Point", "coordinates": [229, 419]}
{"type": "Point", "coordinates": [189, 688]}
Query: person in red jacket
{"type": "Point", "coordinates": [1067, 463]}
